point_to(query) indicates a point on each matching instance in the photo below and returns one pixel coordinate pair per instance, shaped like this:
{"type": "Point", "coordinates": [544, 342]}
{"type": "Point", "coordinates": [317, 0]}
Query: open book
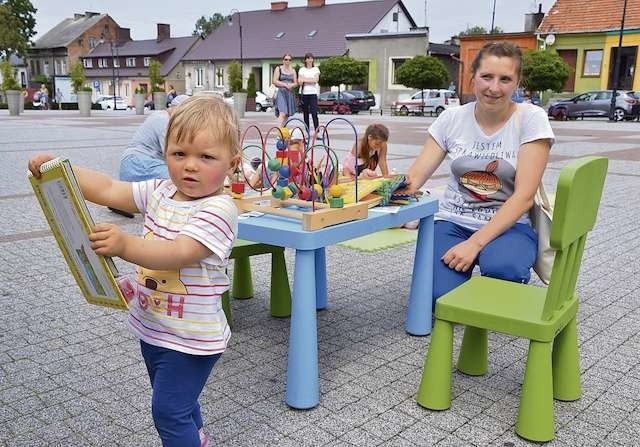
{"type": "Point", "coordinates": [68, 216]}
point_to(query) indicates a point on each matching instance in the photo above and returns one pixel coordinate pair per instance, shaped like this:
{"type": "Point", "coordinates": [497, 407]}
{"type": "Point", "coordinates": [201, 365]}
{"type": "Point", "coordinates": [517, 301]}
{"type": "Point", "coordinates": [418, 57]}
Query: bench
{"type": "Point", "coordinates": [242, 282]}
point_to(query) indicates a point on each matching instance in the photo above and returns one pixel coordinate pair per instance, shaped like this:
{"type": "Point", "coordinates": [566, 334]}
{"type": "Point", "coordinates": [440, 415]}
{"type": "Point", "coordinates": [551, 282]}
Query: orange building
{"type": "Point", "coordinates": [469, 47]}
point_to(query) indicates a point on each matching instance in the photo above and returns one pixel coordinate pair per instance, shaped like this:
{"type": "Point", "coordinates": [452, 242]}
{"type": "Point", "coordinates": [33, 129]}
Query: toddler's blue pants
{"type": "Point", "coordinates": [177, 380]}
{"type": "Point", "coordinates": [510, 256]}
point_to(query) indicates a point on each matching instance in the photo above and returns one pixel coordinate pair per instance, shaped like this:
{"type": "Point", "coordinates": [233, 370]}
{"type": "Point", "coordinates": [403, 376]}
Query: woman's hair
{"type": "Point", "coordinates": [376, 131]}
{"type": "Point", "coordinates": [498, 49]}
{"type": "Point", "coordinates": [287, 54]}
{"type": "Point", "coordinates": [205, 113]}
{"type": "Point", "coordinates": [307, 56]}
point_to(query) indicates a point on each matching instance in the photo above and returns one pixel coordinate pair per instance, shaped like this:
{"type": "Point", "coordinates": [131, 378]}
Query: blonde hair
{"type": "Point", "coordinates": [205, 113]}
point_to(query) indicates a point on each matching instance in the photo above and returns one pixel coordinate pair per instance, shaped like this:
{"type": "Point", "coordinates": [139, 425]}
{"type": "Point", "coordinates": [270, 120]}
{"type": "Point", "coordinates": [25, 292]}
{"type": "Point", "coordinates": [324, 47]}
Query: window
{"type": "Point", "coordinates": [92, 42]}
{"type": "Point", "coordinates": [131, 62]}
{"type": "Point", "coordinates": [592, 63]}
{"type": "Point", "coordinates": [45, 68]}
{"type": "Point", "coordinates": [280, 35]}
{"type": "Point", "coordinates": [312, 33]}
{"type": "Point", "coordinates": [219, 77]}
{"type": "Point", "coordinates": [102, 62]}
{"type": "Point", "coordinates": [116, 62]}
{"type": "Point", "coordinates": [146, 61]}
{"type": "Point", "coordinates": [199, 77]}
{"type": "Point", "coordinates": [395, 64]}
{"type": "Point", "coordinates": [88, 63]}
{"type": "Point", "coordinates": [604, 95]}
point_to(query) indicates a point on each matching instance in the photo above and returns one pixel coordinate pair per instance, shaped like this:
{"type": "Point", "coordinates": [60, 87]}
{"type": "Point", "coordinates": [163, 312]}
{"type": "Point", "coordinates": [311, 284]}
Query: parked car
{"type": "Point", "coordinates": [328, 102]}
{"type": "Point", "coordinates": [595, 103]}
{"type": "Point", "coordinates": [106, 102]}
{"type": "Point", "coordinates": [434, 101]}
{"type": "Point", "coordinates": [365, 98]}
{"type": "Point", "coordinates": [263, 102]}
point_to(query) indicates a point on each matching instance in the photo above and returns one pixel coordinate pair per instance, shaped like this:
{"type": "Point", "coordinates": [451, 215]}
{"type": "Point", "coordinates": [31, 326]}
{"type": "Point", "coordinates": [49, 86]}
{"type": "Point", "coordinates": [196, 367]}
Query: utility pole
{"type": "Point", "coordinates": [493, 17]}
{"type": "Point", "coordinates": [616, 70]}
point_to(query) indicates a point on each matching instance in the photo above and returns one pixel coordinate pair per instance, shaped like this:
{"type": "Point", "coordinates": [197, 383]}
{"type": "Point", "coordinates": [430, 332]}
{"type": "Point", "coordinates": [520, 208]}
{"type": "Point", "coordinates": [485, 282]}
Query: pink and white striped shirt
{"type": "Point", "coordinates": [182, 309]}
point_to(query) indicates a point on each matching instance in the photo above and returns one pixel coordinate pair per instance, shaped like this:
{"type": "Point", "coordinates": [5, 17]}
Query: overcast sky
{"type": "Point", "coordinates": [444, 17]}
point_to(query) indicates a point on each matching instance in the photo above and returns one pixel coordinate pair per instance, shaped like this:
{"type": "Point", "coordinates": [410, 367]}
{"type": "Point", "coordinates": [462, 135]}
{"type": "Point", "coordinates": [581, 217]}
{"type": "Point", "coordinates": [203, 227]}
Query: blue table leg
{"type": "Point", "coordinates": [302, 369]}
{"type": "Point", "coordinates": [321, 279]}
{"type": "Point", "coordinates": [418, 320]}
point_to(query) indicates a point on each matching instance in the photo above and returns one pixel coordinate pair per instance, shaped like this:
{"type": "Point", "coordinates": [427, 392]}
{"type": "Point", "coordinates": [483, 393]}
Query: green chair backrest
{"type": "Point", "coordinates": [577, 200]}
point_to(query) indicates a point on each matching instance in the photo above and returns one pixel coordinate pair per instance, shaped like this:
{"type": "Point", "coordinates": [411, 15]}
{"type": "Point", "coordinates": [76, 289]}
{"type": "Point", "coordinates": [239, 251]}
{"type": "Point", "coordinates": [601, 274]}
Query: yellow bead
{"type": "Point", "coordinates": [285, 133]}
{"type": "Point", "coordinates": [336, 190]}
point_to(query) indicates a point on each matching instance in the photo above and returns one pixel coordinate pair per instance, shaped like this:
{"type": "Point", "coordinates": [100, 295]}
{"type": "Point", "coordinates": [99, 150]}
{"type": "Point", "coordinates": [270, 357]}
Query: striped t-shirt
{"type": "Point", "coordinates": [182, 309]}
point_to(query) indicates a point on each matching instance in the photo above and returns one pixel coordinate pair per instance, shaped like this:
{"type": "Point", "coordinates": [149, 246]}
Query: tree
{"type": "Point", "coordinates": [480, 30]}
{"type": "Point", "coordinates": [17, 23]}
{"type": "Point", "coordinates": [155, 76]}
{"type": "Point", "coordinates": [342, 70]}
{"type": "Point", "coordinates": [235, 77]}
{"type": "Point", "coordinates": [251, 86]}
{"type": "Point", "coordinates": [544, 70]}
{"type": "Point", "coordinates": [422, 72]}
{"type": "Point", "coordinates": [8, 77]}
{"type": "Point", "coordinates": [205, 26]}
{"type": "Point", "coordinates": [78, 78]}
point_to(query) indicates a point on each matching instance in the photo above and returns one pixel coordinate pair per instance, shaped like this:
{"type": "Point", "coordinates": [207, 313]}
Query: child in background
{"type": "Point", "coordinates": [371, 153]}
{"type": "Point", "coordinates": [188, 233]}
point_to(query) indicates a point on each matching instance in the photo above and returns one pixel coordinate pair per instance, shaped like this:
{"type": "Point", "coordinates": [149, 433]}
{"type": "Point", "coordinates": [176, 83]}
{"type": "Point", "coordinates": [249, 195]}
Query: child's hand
{"type": "Point", "coordinates": [368, 173]}
{"type": "Point", "coordinates": [108, 240]}
{"type": "Point", "coordinates": [37, 161]}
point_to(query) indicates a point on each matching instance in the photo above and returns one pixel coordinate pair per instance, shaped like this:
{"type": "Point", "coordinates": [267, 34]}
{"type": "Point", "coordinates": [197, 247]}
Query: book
{"type": "Point", "coordinates": [68, 216]}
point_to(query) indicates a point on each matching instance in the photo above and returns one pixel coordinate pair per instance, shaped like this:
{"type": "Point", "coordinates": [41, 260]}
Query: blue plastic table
{"type": "Point", "coordinates": [310, 282]}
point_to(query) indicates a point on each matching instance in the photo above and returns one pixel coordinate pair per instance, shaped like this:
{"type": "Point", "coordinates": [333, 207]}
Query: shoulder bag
{"type": "Point", "coordinates": [541, 216]}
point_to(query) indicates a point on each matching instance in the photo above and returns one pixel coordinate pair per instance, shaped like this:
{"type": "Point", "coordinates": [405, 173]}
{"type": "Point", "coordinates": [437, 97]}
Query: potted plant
{"type": "Point", "coordinates": [78, 78]}
{"type": "Point", "coordinates": [10, 88]}
{"type": "Point", "coordinates": [140, 97]}
{"type": "Point", "coordinates": [235, 85]}
{"type": "Point", "coordinates": [157, 85]}
{"type": "Point", "coordinates": [251, 93]}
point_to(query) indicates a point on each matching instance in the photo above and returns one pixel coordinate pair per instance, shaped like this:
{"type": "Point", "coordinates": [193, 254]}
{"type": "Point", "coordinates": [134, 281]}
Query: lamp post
{"type": "Point", "coordinates": [493, 17]}
{"type": "Point", "coordinates": [113, 73]}
{"type": "Point", "coordinates": [616, 70]}
{"type": "Point", "coordinates": [233, 12]}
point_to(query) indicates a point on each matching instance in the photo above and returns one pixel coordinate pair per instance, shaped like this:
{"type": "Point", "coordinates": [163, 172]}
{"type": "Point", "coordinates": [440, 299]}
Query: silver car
{"type": "Point", "coordinates": [595, 103]}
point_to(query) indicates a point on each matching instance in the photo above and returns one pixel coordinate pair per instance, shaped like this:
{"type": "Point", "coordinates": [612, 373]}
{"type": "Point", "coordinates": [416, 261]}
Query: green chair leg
{"type": "Point", "coordinates": [280, 302]}
{"type": "Point", "coordinates": [473, 352]}
{"type": "Point", "coordinates": [535, 415]}
{"type": "Point", "coordinates": [242, 287]}
{"type": "Point", "coordinates": [226, 307]}
{"type": "Point", "coordinates": [435, 386]}
{"type": "Point", "coordinates": [566, 363]}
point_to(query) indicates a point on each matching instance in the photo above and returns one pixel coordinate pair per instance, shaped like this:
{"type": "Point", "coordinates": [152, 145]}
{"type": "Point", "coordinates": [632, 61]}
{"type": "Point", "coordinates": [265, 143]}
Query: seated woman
{"type": "Point", "coordinates": [372, 152]}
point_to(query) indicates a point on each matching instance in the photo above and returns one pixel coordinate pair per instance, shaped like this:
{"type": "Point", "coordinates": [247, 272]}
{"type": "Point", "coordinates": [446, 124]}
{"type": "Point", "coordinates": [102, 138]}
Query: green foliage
{"type": "Point", "coordinates": [235, 77]}
{"type": "Point", "coordinates": [251, 86]}
{"type": "Point", "coordinates": [205, 26]}
{"type": "Point", "coordinates": [8, 76]}
{"type": "Point", "coordinates": [155, 76]}
{"type": "Point", "coordinates": [544, 70]}
{"type": "Point", "coordinates": [342, 70]}
{"type": "Point", "coordinates": [422, 72]}
{"type": "Point", "coordinates": [17, 26]}
{"type": "Point", "coordinates": [470, 31]}
{"type": "Point", "coordinates": [78, 77]}
{"type": "Point", "coordinates": [42, 79]}
{"type": "Point", "coordinates": [141, 90]}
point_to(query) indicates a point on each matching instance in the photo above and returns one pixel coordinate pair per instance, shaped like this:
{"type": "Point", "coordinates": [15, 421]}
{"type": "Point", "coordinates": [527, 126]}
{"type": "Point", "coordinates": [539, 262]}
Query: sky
{"type": "Point", "coordinates": [444, 17]}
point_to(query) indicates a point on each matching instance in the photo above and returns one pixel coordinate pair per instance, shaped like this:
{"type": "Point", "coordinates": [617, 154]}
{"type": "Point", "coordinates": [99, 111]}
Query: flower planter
{"type": "Point", "coordinates": [84, 103]}
{"type": "Point", "coordinates": [139, 99]}
{"type": "Point", "coordinates": [240, 103]}
{"type": "Point", "coordinates": [13, 101]}
{"type": "Point", "coordinates": [160, 100]}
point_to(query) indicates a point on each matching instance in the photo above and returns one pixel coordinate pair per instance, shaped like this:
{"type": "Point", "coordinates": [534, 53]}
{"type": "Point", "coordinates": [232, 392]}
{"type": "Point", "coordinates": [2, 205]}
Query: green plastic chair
{"type": "Point", "coordinates": [242, 282]}
{"type": "Point", "coordinates": [545, 316]}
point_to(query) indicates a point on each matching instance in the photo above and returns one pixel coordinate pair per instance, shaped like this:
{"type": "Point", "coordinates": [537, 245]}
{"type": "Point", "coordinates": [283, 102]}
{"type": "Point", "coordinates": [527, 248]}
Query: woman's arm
{"type": "Point", "coordinates": [425, 165]}
{"type": "Point", "coordinates": [532, 161]}
{"type": "Point", "coordinates": [295, 80]}
{"type": "Point", "coordinates": [276, 78]}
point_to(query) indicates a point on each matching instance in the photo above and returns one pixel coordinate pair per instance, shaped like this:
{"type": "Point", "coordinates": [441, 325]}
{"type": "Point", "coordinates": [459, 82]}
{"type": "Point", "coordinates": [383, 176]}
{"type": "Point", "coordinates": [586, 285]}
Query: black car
{"type": "Point", "coordinates": [328, 102]}
{"type": "Point", "coordinates": [365, 98]}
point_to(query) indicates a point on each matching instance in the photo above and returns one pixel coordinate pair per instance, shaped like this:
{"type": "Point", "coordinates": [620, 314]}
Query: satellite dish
{"type": "Point", "coordinates": [550, 39]}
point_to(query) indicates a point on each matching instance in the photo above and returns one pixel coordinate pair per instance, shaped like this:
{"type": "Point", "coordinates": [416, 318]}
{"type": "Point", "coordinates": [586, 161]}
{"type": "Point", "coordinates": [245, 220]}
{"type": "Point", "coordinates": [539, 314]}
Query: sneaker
{"type": "Point", "coordinates": [204, 441]}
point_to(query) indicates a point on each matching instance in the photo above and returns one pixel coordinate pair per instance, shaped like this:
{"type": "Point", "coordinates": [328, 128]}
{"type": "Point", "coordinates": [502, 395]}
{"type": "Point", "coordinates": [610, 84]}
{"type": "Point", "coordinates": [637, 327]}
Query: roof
{"type": "Point", "coordinates": [176, 47]}
{"type": "Point", "coordinates": [259, 28]}
{"type": "Point", "coordinates": [68, 30]}
{"type": "Point", "coordinates": [580, 16]}
{"type": "Point", "coordinates": [443, 48]}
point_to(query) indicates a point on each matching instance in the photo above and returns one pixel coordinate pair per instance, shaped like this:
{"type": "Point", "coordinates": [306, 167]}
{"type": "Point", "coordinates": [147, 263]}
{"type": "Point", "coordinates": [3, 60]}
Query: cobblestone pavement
{"type": "Point", "coordinates": [71, 374]}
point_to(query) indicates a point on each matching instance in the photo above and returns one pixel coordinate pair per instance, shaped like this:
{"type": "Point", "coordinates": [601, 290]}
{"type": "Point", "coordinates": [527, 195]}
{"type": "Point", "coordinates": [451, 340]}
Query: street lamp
{"type": "Point", "coordinates": [233, 12]}
{"type": "Point", "coordinates": [616, 70]}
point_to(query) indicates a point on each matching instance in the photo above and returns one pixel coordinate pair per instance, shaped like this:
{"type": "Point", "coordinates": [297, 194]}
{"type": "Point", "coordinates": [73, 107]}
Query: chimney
{"type": "Point", "coordinates": [123, 35]}
{"type": "Point", "coordinates": [532, 20]}
{"type": "Point", "coordinates": [315, 3]}
{"type": "Point", "coordinates": [164, 31]}
{"type": "Point", "coordinates": [78, 15]}
{"type": "Point", "coordinates": [278, 6]}
{"type": "Point", "coordinates": [91, 14]}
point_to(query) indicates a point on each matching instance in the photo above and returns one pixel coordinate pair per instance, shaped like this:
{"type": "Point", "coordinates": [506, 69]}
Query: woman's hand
{"type": "Point", "coordinates": [37, 161]}
{"type": "Point", "coordinates": [108, 240]}
{"type": "Point", "coordinates": [368, 173]}
{"type": "Point", "coordinates": [461, 256]}
{"type": "Point", "coordinates": [408, 189]}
